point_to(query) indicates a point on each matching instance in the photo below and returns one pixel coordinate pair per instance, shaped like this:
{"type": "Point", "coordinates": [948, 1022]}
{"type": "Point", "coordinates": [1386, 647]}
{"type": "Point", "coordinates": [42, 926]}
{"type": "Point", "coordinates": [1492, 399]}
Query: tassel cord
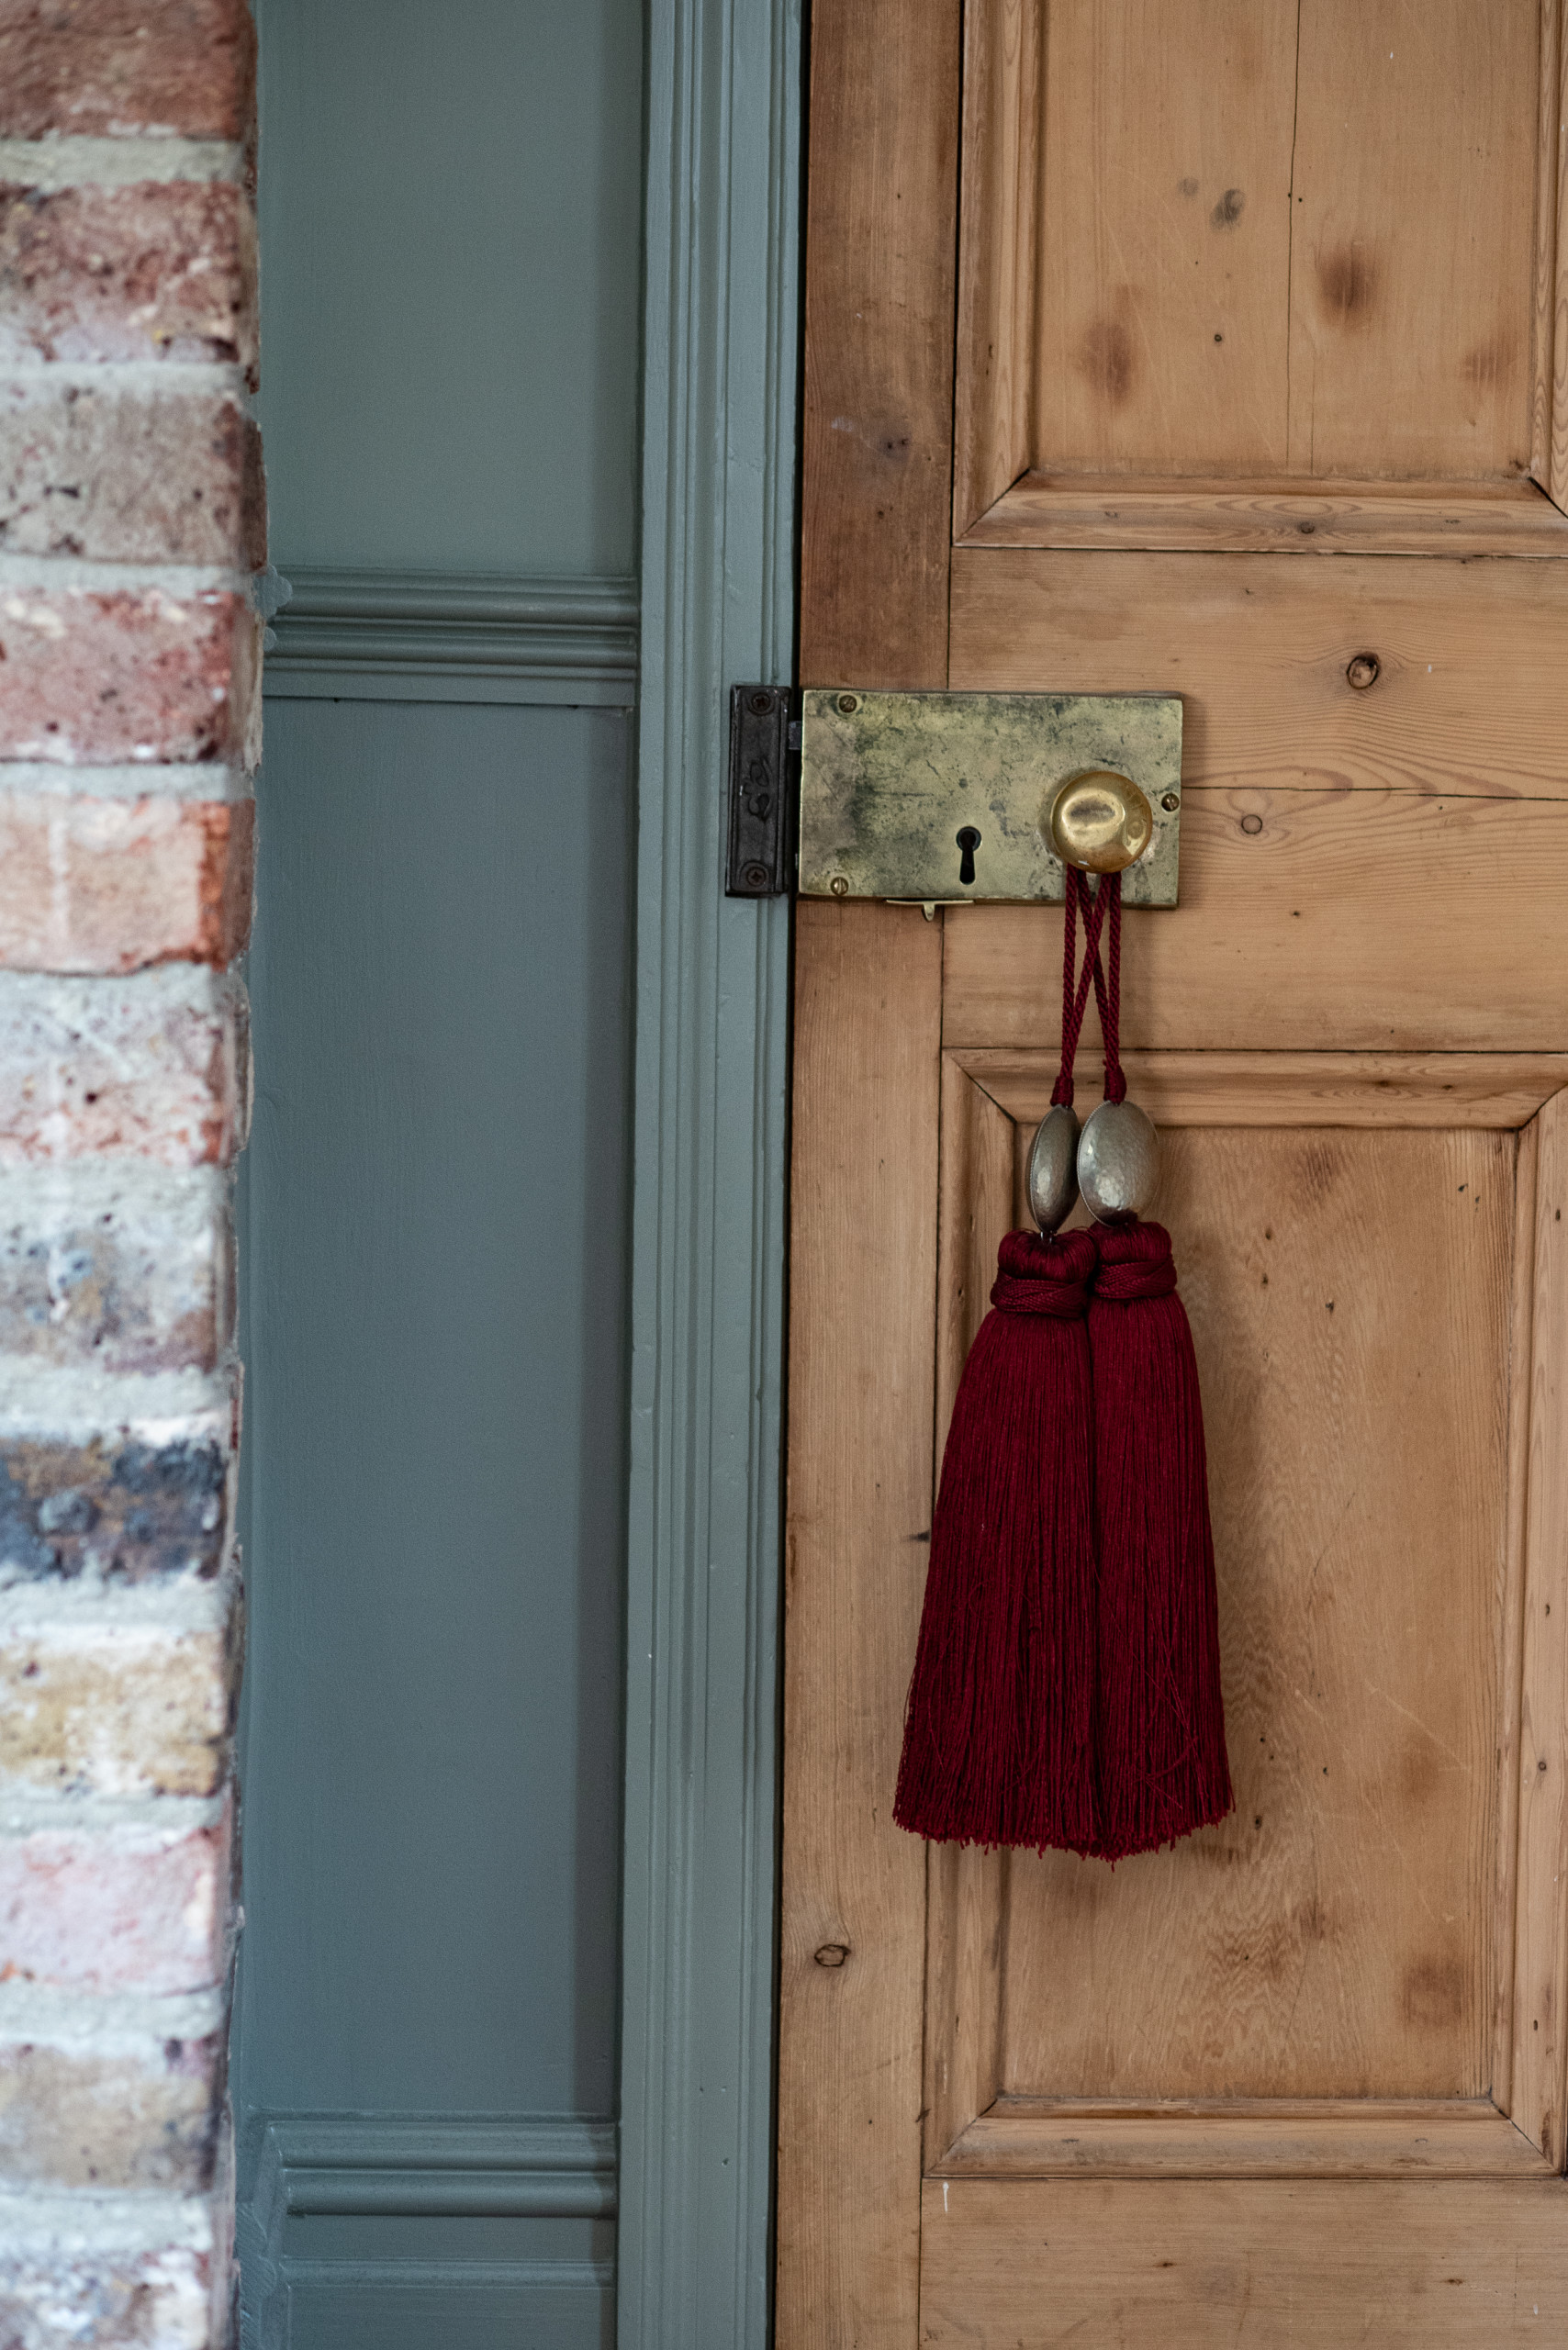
{"type": "Point", "coordinates": [1101, 913]}
{"type": "Point", "coordinates": [1075, 983]}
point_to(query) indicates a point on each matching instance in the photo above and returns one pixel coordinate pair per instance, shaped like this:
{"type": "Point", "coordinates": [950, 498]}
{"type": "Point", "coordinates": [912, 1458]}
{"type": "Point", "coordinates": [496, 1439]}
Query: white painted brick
{"type": "Point", "coordinates": [154, 1064]}
{"type": "Point", "coordinates": [116, 1263]}
{"type": "Point", "coordinates": [91, 2272]}
{"type": "Point", "coordinates": [114, 1897]}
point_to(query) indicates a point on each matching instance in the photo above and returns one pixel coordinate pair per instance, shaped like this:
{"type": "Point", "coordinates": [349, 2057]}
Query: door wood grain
{"type": "Point", "coordinates": [1471, 2264]}
{"type": "Point", "coordinates": [857, 1526]}
{"type": "Point", "coordinates": [1230, 349]}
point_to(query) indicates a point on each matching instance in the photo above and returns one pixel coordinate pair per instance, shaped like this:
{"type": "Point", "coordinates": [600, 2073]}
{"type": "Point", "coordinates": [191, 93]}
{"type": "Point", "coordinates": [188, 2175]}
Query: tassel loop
{"type": "Point", "coordinates": [1075, 983]}
{"type": "Point", "coordinates": [1108, 995]}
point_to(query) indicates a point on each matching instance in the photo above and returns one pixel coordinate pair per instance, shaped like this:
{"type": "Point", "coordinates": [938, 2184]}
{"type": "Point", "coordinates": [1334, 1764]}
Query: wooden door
{"type": "Point", "coordinates": [1216, 347]}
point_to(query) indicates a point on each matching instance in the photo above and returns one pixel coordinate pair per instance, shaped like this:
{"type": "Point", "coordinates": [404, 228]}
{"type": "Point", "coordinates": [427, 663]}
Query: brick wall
{"type": "Point", "coordinates": [130, 514]}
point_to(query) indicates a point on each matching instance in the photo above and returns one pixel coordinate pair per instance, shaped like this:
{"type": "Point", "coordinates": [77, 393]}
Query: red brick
{"type": "Point", "coordinates": [113, 885]}
{"type": "Point", "coordinates": [153, 475]}
{"type": "Point", "coordinates": [111, 66]}
{"type": "Point", "coordinates": [153, 271]}
{"type": "Point", "coordinates": [91, 675]}
{"type": "Point", "coordinates": [155, 1068]}
{"type": "Point", "coordinates": [134, 1909]}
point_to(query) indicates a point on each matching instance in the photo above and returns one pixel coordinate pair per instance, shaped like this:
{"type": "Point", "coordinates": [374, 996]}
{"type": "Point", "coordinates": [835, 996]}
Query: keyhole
{"type": "Point", "coordinates": [968, 840]}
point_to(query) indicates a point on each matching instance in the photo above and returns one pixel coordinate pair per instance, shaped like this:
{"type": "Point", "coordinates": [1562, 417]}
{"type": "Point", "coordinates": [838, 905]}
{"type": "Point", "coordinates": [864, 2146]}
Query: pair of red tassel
{"type": "Point", "coordinates": [1067, 1691]}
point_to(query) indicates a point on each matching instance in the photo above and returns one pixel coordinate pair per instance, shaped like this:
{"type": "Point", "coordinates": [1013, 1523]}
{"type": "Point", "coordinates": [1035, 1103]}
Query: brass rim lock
{"type": "Point", "coordinates": [1100, 822]}
{"type": "Point", "coordinates": [938, 799]}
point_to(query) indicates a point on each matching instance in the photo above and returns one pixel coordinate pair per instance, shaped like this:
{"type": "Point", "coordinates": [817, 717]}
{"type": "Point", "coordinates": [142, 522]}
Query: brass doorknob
{"type": "Point", "coordinates": [1101, 822]}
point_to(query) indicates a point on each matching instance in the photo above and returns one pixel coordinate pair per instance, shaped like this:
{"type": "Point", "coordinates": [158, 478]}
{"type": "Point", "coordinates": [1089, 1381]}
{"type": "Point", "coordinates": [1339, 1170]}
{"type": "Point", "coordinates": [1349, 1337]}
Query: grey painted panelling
{"type": "Point", "coordinates": [461, 2308]}
{"type": "Point", "coordinates": [435, 1413]}
{"type": "Point", "coordinates": [433, 636]}
{"type": "Point", "coordinates": [449, 201]}
{"type": "Point", "coordinates": [409, 2229]}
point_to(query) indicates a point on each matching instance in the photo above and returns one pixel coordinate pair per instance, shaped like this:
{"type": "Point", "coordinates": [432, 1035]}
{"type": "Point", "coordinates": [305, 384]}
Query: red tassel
{"type": "Point", "coordinates": [1161, 1761]}
{"type": "Point", "coordinates": [998, 1733]}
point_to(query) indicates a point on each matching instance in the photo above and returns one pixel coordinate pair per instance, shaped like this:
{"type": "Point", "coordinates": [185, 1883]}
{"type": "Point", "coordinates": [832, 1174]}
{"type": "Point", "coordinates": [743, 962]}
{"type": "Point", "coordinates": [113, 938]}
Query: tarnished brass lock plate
{"type": "Point", "coordinates": [888, 781]}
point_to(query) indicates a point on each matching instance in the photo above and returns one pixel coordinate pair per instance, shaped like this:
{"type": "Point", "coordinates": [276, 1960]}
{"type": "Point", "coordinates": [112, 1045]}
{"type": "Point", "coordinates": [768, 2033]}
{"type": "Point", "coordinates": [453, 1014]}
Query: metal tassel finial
{"type": "Point", "coordinates": [1118, 1162]}
{"type": "Point", "coordinates": [1053, 1169]}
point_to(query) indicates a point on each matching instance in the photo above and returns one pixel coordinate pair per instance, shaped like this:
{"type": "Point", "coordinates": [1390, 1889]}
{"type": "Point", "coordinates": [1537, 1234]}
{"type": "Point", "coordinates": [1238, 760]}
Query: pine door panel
{"type": "Point", "coordinates": [1349, 1297]}
{"type": "Point", "coordinates": [1259, 240]}
{"type": "Point", "coordinates": [1476, 2265]}
{"type": "Point", "coordinates": [1363, 1303]}
{"type": "Point", "coordinates": [1072, 423]}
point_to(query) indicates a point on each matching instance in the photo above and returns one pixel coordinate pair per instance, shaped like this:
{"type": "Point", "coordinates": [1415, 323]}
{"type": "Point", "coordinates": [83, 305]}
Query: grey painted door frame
{"type": "Point", "coordinates": [719, 431]}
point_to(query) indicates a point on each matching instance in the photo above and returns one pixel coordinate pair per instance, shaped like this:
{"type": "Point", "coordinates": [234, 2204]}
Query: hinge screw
{"type": "Point", "coordinates": [848, 703]}
{"type": "Point", "coordinates": [762, 704]}
{"type": "Point", "coordinates": [839, 886]}
{"type": "Point", "coordinates": [756, 876]}
{"type": "Point", "coordinates": [1172, 802]}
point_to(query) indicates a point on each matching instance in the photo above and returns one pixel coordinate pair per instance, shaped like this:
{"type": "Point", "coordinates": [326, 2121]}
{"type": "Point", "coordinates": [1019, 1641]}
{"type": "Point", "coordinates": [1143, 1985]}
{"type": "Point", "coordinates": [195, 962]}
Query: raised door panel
{"type": "Point", "coordinates": [1349, 1296]}
{"type": "Point", "coordinates": [1412, 210]}
{"type": "Point", "coordinates": [1253, 239]}
{"type": "Point", "coordinates": [1351, 1975]}
{"type": "Point", "coordinates": [1164, 316]}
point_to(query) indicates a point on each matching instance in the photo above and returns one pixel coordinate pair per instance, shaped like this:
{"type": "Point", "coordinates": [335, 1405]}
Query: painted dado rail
{"type": "Point", "coordinates": [427, 636]}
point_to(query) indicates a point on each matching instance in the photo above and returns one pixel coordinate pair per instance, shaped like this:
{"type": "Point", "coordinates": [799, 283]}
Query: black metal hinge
{"type": "Point", "coordinates": [764, 742]}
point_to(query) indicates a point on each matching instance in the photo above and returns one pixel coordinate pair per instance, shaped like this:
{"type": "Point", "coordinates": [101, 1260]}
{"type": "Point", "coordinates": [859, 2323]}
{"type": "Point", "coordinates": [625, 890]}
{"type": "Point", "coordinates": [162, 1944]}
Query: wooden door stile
{"type": "Point", "coordinates": [877, 417]}
{"type": "Point", "coordinates": [864, 1211]}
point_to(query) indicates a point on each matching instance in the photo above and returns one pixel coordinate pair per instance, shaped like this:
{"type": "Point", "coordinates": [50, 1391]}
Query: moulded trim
{"type": "Point", "coordinates": [413, 2166]}
{"type": "Point", "coordinates": [454, 636]}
